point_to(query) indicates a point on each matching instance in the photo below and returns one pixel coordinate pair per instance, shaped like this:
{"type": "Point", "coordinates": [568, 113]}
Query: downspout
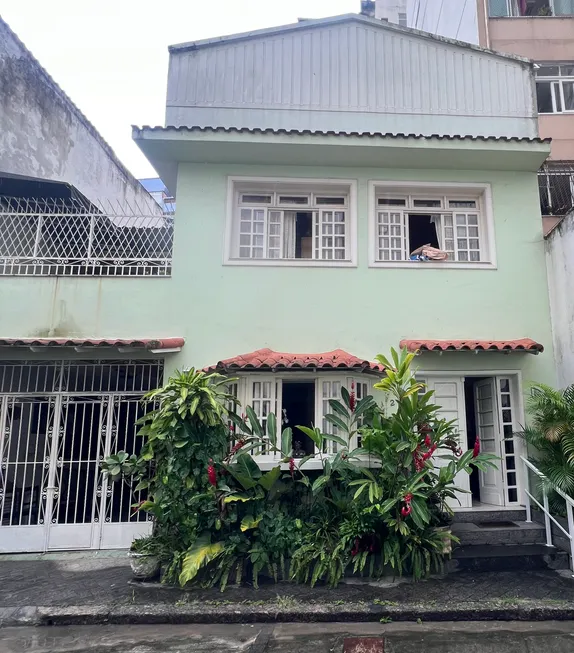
{"type": "Point", "coordinates": [486, 24]}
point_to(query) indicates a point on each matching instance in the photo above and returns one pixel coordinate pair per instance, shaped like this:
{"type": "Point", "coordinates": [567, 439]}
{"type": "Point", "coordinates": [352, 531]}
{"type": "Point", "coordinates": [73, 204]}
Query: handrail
{"type": "Point", "coordinates": [548, 518]}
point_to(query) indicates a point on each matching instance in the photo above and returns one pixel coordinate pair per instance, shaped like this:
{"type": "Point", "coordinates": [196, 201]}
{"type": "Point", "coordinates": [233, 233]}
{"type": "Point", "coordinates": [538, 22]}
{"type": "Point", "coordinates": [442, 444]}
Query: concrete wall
{"type": "Point", "coordinates": [541, 38]}
{"type": "Point", "coordinates": [560, 263]}
{"type": "Point", "coordinates": [560, 128]}
{"type": "Point", "coordinates": [43, 134]}
{"type": "Point", "coordinates": [227, 310]}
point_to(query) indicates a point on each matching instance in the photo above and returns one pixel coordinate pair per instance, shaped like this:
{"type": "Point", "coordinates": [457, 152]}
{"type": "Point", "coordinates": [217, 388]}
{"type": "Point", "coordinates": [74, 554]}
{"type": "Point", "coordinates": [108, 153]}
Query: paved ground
{"type": "Point", "coordinates": [295, 638]}
{"type": "Point", "coordinates": [61, 580]}
{"type": "Point", "coordinates": [97, 588]}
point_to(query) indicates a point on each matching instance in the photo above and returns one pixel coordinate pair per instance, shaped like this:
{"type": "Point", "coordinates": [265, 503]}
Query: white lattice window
{"type": "Point", "coordinates": [72, 237]}
{"type": "Point", "coordinates": [263, 399]}
{"type": "Point", "coordinates": [296, 222]}
{"type": "Point", "coordinates": [406, 219]}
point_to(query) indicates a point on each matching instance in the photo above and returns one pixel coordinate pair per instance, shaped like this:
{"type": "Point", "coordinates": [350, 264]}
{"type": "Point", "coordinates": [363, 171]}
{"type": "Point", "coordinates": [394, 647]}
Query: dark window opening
{"type": "Point", "coordinates": [471, 431]}
{"type": "Point", "coordinates": [299, 410]}
{"type": "Point", "coordinates": [422, 231]}
{"type": "Point", "coordinates": [544, 97]}
{"type": "Point", "coordinates": [304, 235]}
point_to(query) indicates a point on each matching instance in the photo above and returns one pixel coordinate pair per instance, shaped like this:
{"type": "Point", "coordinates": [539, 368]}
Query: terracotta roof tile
{"type": "Point", "coordinates": [267, 359]}
{"type": "Point", "coordinates": [520, 345]}
{"type": "Point", "coordinates": [96, 343]}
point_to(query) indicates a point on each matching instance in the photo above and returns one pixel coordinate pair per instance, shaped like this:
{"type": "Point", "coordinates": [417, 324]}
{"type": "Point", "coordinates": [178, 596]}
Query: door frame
{"type": "Point", "coordinates": [519, 418]}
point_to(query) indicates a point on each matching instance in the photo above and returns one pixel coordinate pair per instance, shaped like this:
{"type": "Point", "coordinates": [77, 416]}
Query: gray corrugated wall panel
{"type": "Point", "coordinates": [351, 67]}
{"type": "Point", "coordinates": [353, 121]}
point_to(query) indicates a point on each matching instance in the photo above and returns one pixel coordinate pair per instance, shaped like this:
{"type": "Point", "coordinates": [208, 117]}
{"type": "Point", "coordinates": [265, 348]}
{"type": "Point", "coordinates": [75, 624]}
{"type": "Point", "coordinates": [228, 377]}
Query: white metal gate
{"type": "Point", "coordinates": [58, 420]}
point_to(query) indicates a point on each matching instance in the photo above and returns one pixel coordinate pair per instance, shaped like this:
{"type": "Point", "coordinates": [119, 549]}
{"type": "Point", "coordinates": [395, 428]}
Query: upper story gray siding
{"type": "Point", "coordinates": [350, 73]}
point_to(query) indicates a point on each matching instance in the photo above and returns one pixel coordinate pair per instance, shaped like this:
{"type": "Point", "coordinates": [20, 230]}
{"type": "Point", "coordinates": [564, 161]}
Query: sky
{"type": "Point", "coordinates": [110, 56]}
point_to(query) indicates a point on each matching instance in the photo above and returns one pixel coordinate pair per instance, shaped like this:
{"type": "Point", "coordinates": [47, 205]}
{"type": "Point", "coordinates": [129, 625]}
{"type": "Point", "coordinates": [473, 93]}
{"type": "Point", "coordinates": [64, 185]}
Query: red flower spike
{"type": "Point", "coordinates": [291, 466]}
{"type": "Point", "coordinates": [428, 441]}
{"type": "Point", "coordinates": [352, 401]}
{"type": "Point", "coordinates": [211, 474]}
{"type": "Point", "coordinates": [476, 449]}
{"type": "Point", "coordinates": [408, 498]}
{"type": "Point", "coordinates": [352, 385]}
{"type": "Point", "coordinates": [406, 510]}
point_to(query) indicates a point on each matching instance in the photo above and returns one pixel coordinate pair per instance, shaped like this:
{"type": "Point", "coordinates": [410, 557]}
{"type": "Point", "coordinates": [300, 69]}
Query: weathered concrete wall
{"type": "Point", "coordinates": [560, 265]}
{"type": "Point", "coordinates": [43, 134]}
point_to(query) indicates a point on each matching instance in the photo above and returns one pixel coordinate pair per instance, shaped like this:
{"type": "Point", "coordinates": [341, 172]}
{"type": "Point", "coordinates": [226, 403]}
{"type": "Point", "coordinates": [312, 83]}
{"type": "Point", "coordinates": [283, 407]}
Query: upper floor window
{"type": "Point", "coordinates": [449, 223]}
{"type": "Point", "coordinates": [296, 222]}
{"type": "Point", "coordinates": [555, 88]}
{"type": "Point", "coordinates": [499, 8]}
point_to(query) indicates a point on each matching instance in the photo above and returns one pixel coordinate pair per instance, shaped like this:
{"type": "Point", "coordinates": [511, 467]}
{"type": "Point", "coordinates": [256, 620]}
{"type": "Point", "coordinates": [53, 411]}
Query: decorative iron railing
{"type": "Point", "coordinates": [73, 237]}
{"type": "Point", "coordinates": [556, 185]}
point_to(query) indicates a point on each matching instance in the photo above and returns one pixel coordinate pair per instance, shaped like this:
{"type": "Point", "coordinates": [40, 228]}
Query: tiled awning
{"type": "Point", "coordinates": [524, 345]}
{"type": "Point", "coordinates": [152, 345]}
{"type": "Point", "coordinates": [269, 360]}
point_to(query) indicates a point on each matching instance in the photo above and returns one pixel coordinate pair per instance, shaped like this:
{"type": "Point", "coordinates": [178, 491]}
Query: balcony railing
{"type": "Point", "coordinates": [556, 186]}
{"type": "Point", "coordinates": [73, 237]}
{"type": "Point", "coordinates": [509, 8]}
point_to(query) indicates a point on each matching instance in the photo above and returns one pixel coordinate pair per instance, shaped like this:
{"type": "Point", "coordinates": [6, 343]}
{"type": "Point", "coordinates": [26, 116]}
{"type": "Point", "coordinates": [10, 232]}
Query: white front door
{"type": "Point", "coordinates": [449, 395]}
{"type": "Point", "coordinates": [487, 427]}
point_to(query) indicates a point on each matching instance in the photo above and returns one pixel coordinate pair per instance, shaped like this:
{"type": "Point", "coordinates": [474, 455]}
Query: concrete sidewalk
{"type": "Point", "coordinates": [493, 637]}
{"type": "Point", "coordinates": [92, 588]}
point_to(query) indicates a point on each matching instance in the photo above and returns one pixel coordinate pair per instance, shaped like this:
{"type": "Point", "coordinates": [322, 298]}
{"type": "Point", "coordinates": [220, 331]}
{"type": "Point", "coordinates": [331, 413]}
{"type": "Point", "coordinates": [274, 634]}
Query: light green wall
{"type": "Point", "coordinates": [226, 310]}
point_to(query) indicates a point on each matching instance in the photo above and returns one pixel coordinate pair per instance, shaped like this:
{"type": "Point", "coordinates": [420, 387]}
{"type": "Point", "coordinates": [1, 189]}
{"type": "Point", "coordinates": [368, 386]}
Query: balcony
{"type": "Point", "coordinates": [74, 237]}
{"type": "Point", "coordinates": [530, 8]}
{"type": "Point", "coordinates": [556, 185]}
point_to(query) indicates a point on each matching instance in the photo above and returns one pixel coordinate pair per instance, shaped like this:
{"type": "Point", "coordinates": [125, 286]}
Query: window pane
{"type": "Point", "coordinates": [256, 199]}
{"type": "Point", "coordinates": [472, 219]}
{"type": "Point", "coordinates": [389, 201]}
{"type": "Point", "coordinates": [497, 8]}
{"type": "Point", "coordinates": [330, 201]}
{"type": "Point", "coordinates": [563, 7]}
{"type": "Point", "coordinates": [544, 97]}
{"type": "Point", "coordinates": [462, 204]}
{"type": "Point", "coordinates": [475, 256]}
{"type": "Point", "coordinates": [568, 88]}
{"type": "Point", "coordinates": [557, 97]}
{"type": "Point", "coordinates": [567, 71]}
{"type": "Point", "coordinates": [547, 71]}
{"type": "Point", "coordinates": [430, 203]}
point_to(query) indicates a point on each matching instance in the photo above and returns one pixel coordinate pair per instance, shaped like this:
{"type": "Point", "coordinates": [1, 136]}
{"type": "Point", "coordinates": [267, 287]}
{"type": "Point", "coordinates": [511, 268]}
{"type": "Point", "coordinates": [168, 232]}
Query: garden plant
{"type": "Point", "coordinates": [371, 510]}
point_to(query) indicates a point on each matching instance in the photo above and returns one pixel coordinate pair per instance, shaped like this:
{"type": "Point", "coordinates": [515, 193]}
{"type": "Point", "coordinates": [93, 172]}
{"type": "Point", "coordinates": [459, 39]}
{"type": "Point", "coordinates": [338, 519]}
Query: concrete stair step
{"type": "Point", "coordinates": [499, 532]}
{"type": "Point", "coordinates": [510, 557]}
{"type": "Point", "coordinates": [479, 516]}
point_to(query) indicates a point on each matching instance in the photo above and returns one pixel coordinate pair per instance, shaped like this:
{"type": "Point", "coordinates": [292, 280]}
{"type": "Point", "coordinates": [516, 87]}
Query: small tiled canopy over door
{"type": "Point", "coordinates": [449, 395]}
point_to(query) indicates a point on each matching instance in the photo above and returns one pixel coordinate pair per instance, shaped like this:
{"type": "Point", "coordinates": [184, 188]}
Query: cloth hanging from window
{"type": "Point", "coordinates": [428, 253]}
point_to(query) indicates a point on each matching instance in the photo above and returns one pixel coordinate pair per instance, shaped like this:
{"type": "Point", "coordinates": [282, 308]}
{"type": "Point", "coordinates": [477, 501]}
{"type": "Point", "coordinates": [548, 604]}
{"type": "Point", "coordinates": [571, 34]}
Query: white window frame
{"type": "Point", "coordinates": [512, 11]}
{"type": "Point", "coordinates": [244, 394]}
{"type": "Point", "coordinates": [306, 186]}
{"type": "Point", "coordinates": [437, 190]}
{"type": "Point", "coordinates": [556, 83]}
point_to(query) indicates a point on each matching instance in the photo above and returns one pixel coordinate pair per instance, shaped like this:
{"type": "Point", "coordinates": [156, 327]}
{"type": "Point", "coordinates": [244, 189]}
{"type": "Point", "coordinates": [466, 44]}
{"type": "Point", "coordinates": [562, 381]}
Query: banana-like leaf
{"type": "Point", "coordinates": [201, 554]}
{"type": "Point", "coordinates": [269, 479]}
{"type": "Point", "coordinates": [233, 498]}
{"type": "Point", "coordinates": [249, 522]}
{"type": "Point", "coordinates": [287, 442]}
{"type": "Point", "coordinates": [272, 429]}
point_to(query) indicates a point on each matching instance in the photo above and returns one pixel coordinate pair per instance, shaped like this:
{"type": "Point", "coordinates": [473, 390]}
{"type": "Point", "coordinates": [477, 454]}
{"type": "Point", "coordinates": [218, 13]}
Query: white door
{"type": "Point", "coordinates": [449, 395]}
{"type": "Point", "coordinates": [486, 411]}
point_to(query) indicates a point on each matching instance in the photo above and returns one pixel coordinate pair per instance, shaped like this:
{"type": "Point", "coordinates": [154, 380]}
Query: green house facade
{"type": "Point", "coordinates": [343, 186]}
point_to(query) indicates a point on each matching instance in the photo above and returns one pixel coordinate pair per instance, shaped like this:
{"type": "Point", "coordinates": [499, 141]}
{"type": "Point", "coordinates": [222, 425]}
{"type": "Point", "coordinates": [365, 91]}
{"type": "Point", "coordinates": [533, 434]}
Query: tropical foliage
{"type": "Point", "coordinates": [367, 509]}
{"type": "Point", "coordinates": [551, 438]}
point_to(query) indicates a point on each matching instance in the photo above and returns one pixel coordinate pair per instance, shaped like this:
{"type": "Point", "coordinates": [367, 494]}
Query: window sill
{"type": "Point", "coordinates": [295, 263]}
{"type": "Point", "coordinates": [422, 265]}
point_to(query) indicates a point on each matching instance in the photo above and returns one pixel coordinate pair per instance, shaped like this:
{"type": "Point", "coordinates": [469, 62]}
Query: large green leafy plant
{"type": "Point", "coordinates": [550, 435]}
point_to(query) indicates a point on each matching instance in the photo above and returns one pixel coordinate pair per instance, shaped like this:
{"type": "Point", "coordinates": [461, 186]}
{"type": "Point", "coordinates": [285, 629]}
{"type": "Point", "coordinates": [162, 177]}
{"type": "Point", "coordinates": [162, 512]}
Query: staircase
{"type": "Point", "coordinates": [502, 540]}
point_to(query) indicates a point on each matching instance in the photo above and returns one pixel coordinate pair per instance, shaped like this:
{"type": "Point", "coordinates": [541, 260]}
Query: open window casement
{"type": "Point", "coordinates": [263, 394]}
{"type": "Point", "coordinates": [330, 388]}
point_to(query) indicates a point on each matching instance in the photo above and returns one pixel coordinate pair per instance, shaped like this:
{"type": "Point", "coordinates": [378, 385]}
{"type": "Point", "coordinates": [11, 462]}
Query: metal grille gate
{"type": "Point", "coordinates": [58, 420]}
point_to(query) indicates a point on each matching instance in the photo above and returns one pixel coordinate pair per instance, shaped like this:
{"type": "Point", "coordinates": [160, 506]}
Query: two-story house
{"type": "Point", "coordinates": [313, 165]}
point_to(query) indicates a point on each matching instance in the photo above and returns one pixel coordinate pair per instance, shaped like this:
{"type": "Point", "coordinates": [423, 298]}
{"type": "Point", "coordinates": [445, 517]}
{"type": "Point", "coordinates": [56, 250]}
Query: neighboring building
{"type": "Point", "coordinates": [455, 19]}
{"type": "Point", "coordinates": [542, 30]}
{"type": "Point", "coordinates": [310, 161]}
{"type": "Point", "coordinates": [158, 190]}
{"type": "Point", "coordinates": [80, 240]}
{"type": "Point", "coordinates": [44, 135]}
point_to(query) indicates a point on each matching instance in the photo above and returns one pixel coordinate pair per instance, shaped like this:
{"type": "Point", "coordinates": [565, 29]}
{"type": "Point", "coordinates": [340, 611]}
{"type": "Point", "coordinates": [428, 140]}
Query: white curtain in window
{"type": "Point", "coordinates": [563, 7]}
{"type": "Point", "coordinates": [435, 219]}
{"type": "Point", "coordinates": [289, 234]}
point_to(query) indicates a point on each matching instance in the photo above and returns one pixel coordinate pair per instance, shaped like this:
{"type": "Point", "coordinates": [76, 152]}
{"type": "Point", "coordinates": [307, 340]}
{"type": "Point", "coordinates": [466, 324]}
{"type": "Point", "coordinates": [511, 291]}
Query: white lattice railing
{"type": "Point", "coordinates": [78, 238]}
{"type": "Point", "coordinates": [549, 519]}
